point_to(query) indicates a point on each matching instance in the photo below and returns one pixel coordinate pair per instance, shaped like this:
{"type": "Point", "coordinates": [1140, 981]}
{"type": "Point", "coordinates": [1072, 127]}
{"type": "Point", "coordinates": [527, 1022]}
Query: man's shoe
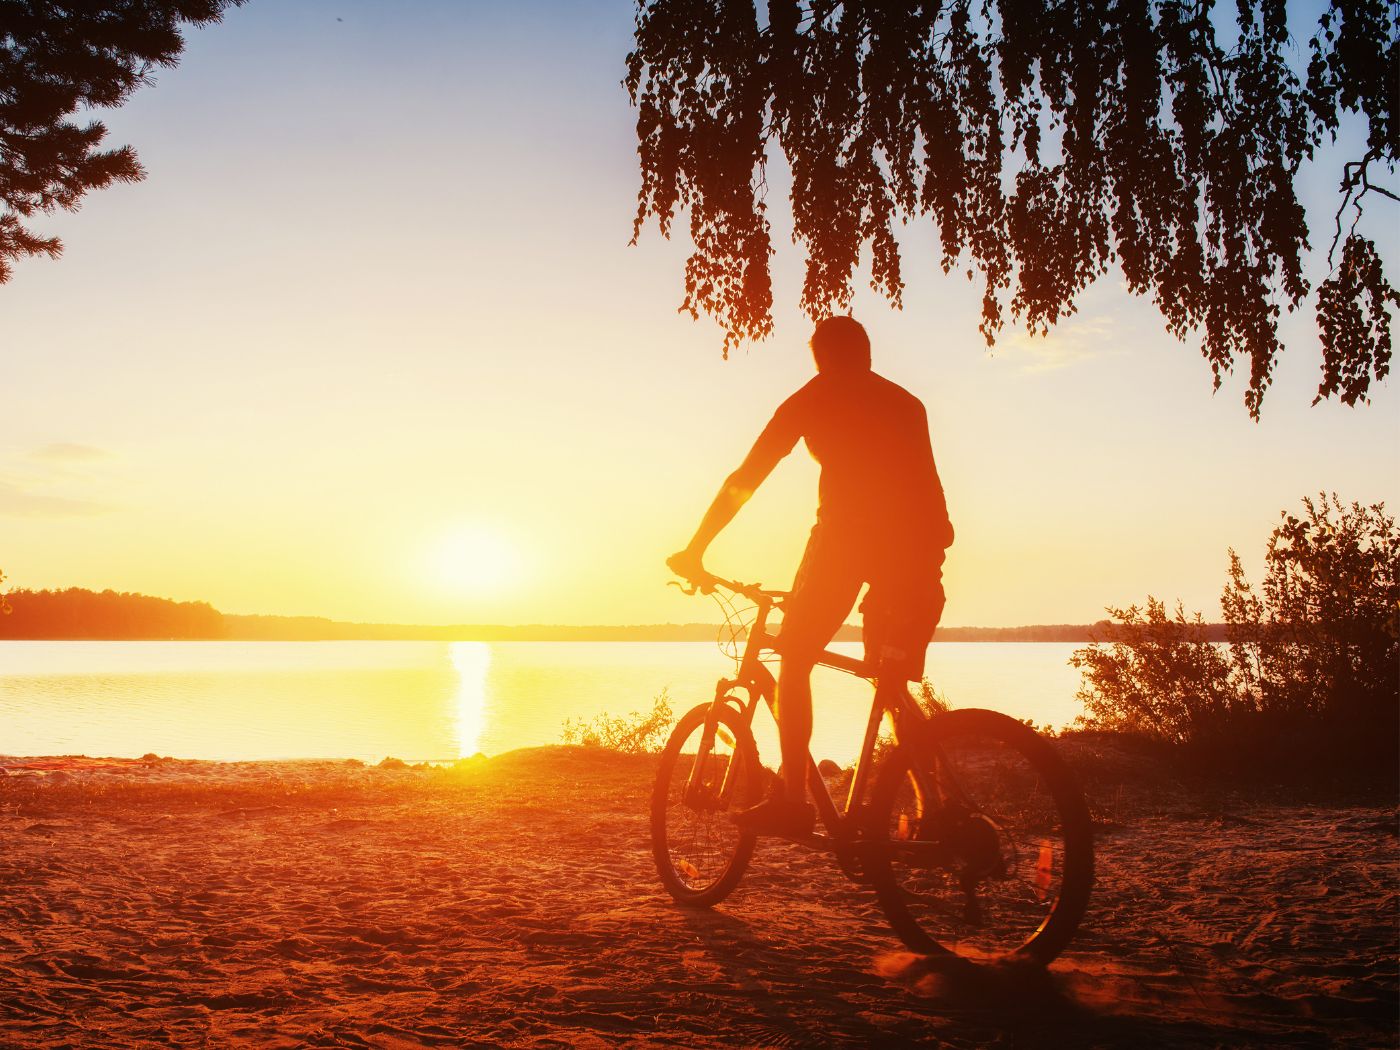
{"type": "Point", "coordinates": [777, 816]}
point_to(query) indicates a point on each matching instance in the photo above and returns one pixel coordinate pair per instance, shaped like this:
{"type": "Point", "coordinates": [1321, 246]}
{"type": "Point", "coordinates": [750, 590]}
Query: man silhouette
{"type": "Point", "coordinates": [881, 520]}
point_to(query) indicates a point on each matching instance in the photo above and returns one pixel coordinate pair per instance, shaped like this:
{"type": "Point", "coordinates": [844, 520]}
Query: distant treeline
{"type": "Point", "coordinates": [82, 614]}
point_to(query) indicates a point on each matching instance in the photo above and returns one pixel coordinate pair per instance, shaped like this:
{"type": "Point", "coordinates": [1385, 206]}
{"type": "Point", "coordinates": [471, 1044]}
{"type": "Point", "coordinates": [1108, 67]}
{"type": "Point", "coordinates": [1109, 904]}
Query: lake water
{"type": "Point", "coordinates": [433, 700]}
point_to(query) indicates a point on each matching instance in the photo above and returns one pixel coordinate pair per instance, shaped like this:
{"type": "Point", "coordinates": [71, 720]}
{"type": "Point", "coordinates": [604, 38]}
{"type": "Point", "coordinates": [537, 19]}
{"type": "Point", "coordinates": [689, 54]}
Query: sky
{"type": "Point", "coordinates": [369, 342]}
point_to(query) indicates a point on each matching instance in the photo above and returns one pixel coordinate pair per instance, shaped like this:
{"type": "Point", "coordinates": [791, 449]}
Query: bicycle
{"type": "Point", "coordinates": [973, 833]}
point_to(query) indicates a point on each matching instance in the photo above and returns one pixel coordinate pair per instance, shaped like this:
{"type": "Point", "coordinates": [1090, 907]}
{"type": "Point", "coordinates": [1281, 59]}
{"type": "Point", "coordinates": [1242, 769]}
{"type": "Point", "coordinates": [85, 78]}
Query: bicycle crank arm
{"type": "Point", "coordinates": [813, 841]}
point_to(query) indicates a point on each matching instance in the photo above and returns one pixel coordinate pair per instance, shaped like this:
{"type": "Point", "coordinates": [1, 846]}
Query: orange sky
{"type": "Point", "coordinates": [350, 319]}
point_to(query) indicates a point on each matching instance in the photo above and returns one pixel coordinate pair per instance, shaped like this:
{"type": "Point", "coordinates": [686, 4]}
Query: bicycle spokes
{"type": "Point", "coordinates": [974, 848]}
{"type": "Point", "coordinates": [707, 770]}
{"type": "Point", "coordinates": [1044, 869]}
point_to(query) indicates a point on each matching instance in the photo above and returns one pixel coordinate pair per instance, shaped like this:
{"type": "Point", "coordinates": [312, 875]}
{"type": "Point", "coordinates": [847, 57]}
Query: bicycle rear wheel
{"type": "Point", "coordinates": [700, 854]}
{"type": "Point", "coordinates": [981, 850]}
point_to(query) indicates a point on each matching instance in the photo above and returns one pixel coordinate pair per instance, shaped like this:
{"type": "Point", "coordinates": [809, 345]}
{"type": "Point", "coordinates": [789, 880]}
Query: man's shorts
{"type": "Point", "coordinates": [901, 608]}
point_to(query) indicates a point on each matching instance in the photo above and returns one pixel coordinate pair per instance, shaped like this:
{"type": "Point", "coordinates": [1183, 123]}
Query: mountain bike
{"type": "Point", "coordinates": [972, 831]}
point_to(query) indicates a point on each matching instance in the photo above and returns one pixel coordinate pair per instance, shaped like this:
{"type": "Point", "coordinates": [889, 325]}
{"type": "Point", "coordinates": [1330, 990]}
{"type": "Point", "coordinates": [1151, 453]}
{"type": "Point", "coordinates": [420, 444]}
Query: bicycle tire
{"type": "Point", "coordinates": [700, 854]}
{"type": "Point", "coordinates": [1000, 865]}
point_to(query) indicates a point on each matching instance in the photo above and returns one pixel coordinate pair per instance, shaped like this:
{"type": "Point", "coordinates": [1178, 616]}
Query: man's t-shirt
{"type": "Point", "coordinates": [879, 484]}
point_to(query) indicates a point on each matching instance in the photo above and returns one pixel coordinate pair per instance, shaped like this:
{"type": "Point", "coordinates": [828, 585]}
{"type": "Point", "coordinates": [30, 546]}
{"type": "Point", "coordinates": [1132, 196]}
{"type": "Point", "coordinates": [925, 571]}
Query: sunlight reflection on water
{"type": "Point", "coordinates": [472, 660]}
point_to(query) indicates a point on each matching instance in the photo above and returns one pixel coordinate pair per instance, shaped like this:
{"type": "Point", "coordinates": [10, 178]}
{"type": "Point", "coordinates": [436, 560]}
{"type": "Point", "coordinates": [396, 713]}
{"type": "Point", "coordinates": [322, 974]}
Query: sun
{"type": "Point", "coordinates": [477, 559]}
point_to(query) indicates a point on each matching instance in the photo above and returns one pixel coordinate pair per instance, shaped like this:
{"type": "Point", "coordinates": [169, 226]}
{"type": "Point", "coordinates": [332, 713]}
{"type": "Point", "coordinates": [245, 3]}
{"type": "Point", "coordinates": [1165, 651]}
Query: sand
{"type": "Point", "coordinates": [512, 902]}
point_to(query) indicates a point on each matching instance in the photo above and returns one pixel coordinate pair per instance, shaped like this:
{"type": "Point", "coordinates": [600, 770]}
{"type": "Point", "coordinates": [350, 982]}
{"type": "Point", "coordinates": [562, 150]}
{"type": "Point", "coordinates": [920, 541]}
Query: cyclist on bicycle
{"type": "Point", "coordinates": [881, 520]}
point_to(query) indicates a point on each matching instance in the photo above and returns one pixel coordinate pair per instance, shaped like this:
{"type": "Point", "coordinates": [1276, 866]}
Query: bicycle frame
{"type": "Point", "coordinates": [909, 828]}
{"type": "Point", "coordinates": [891, 699]}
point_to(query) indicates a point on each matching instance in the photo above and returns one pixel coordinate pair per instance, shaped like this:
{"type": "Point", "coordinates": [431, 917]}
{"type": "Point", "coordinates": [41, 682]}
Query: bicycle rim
{"type": "Point", "coordinates": [700, 854]}
{"type": "Point", "coordinates": [985, 853]}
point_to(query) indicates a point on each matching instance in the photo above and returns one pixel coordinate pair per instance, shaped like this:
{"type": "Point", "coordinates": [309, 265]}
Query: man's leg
{"type": "Point", "coordinates": [789, 812]}
{"type": "Point", "coordinates": [827, 583]}
{"type": "Point", "coordinates": [901, 611]}
{"type": "Point", "coordinates": [795, 724]}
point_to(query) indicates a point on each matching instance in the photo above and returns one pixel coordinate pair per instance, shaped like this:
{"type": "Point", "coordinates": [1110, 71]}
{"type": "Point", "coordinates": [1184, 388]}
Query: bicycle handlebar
{"type": "Point", "coordinates": [752, 591]}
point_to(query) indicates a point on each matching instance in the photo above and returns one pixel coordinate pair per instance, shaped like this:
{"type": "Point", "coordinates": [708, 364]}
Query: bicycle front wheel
{"type": "Point", "coordinates": [700, 853]}
{"type": "Point", "coordinates": [982, 849]}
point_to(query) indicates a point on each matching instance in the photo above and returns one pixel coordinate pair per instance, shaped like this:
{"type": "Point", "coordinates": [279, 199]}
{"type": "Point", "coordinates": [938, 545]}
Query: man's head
{"type": "Point", "coordinates": [840, 344]}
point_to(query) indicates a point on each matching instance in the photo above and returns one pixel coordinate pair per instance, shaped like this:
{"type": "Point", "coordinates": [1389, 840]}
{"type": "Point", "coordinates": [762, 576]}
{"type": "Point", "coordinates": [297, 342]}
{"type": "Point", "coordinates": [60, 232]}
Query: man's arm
{"type": "Point", "coordinates": [776, 441]}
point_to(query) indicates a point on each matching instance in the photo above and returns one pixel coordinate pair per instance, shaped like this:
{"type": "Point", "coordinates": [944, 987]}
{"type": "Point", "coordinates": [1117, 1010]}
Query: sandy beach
{"type": "Point", "coordinates": [512, 902]}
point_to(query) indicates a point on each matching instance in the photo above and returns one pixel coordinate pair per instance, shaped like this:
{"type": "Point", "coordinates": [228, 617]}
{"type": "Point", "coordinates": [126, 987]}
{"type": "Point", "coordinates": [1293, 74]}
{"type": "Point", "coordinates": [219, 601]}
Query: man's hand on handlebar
{"type": "Point", "coordinates": [687, 565]}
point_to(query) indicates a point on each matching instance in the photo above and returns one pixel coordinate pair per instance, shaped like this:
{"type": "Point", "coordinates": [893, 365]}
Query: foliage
{"type": "Point", "coordinates": [80, 613]}
{"type": "Point", "coordinates": [1310, 676]}
{"type": "Point", "coordinates": [1353, 313]}
{"type": "Point", "coordinates": [635, 734]}
{"type": "Point", "coordinates": [1161, 677]}
{"type": "Point", "coordinates": [930, 700]}
{"type": "Point", "coordinates": [59, 57]}
{"type": "Point", "coordinates": [1044, 140]}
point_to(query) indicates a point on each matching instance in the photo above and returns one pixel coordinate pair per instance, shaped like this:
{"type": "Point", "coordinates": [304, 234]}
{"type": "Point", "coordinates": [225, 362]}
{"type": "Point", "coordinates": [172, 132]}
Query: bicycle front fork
{"type": "Point", "coordinates": [697, 793]}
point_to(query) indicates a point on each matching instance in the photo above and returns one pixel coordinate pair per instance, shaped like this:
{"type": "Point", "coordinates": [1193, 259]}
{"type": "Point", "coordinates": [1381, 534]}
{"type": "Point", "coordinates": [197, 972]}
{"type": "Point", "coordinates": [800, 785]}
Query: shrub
{"type": "Point", "coordinates": [930, 701]}
{"type": "Point", "coordinates": [1308, 680]}
{"type": "Point", "coordinates": [636, 734]}
{"type": "Point", "coordinates": [1159, 678]}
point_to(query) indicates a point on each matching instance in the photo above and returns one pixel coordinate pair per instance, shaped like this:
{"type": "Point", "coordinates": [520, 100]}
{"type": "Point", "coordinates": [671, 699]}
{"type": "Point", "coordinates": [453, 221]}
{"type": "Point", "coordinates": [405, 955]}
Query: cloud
{"type": "Point", "coordinates": [19, 502]}
{"type": "Point", "coordinates": [1067, 344]}
{"type": "Point", "coordinates": [68, 452]}
{"type": "Point", "coordinates": [53, 481]}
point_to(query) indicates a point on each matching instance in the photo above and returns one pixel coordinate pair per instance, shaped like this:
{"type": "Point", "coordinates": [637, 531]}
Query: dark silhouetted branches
{"type": "Point", "coordinates": [1355, 68]}
{"type": "Point", "coordinates": [59, 58]}
{"type": "Point", "coordinates": [1353, 313]}
{"type": "Point", "coordinates": [1047, 142]}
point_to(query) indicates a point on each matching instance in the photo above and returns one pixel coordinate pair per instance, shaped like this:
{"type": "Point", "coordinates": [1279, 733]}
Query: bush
{"type": "Point", "coordinates": [1309, 678]}
{"type": "Point", "coordinates": [636, 734]}
{"type": "Point", "coordinates": [930, 701]}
